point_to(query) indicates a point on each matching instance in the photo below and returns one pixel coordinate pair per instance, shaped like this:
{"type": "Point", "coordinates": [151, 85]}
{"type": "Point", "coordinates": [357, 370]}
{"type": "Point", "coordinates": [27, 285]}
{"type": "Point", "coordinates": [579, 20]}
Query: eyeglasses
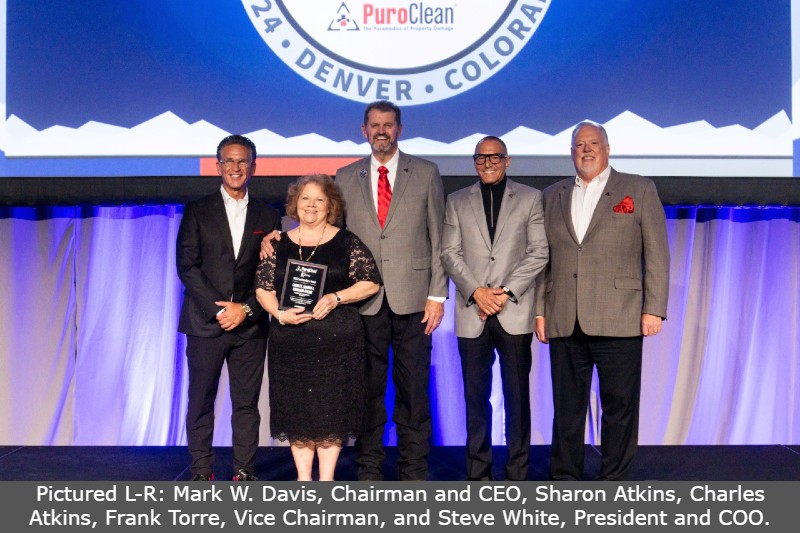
{"type": "Point", "coordinates": [232, 163]}
{"type": "Point", "coordinates": [494, 159]}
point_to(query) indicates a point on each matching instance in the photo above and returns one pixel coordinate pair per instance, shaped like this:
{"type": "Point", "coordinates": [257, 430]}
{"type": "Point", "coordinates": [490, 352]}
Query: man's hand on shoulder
{"type": "Point", "coordinates": [266, 244]}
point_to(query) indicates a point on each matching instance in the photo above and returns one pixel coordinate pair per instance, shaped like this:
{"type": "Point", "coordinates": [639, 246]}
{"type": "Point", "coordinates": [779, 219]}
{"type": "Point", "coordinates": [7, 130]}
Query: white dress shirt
{"type": "Point", "coordinates": [584, 201]}
{"type": "Point", "coordinates": [237, 212]}
{"type": "Point", "coordinates": [391, 166]}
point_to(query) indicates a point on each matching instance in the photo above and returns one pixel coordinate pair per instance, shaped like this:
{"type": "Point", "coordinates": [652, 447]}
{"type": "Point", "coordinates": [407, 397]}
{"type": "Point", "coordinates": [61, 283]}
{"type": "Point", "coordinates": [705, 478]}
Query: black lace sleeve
{"type": "Point", "coordinates": [362, 265]}
{"type": "Point", "coordinates": [265, 275]}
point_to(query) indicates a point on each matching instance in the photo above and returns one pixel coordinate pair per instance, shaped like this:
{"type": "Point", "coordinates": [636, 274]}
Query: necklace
{"type": "Point", "coordinates": [300, 243]}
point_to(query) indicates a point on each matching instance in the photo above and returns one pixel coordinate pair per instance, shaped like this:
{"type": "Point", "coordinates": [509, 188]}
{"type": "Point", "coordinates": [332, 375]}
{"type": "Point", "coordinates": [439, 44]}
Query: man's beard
{"type": "Point", "coordinates": [383, 146]}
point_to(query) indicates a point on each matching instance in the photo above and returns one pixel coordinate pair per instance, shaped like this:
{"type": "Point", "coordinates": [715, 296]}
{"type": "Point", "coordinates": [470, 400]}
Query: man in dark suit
{"type": "Point", "coordinates": [605, 289]}
{"type": "Point", "coordinates": [493, 247]}
{"type": "Point", "coordinates": [217, 256]}
{"type": "Point", "coordinates": [395, 204]}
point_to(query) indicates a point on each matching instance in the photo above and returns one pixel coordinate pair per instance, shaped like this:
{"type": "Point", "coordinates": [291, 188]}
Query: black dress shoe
{"type": "Point", "coordinates": [244, 475]}
{"type": "Point", "coordinates": [203, 477]}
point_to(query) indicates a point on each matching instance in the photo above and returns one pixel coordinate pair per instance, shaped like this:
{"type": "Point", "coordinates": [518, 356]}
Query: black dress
{"type": "Point", "coordinates": [316, 369]}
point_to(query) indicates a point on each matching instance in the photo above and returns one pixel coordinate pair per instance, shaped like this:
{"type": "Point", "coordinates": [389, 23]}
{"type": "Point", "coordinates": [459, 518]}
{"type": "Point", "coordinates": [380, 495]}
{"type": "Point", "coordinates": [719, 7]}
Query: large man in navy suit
{"type": "Point", "coordinates": [217, 256]}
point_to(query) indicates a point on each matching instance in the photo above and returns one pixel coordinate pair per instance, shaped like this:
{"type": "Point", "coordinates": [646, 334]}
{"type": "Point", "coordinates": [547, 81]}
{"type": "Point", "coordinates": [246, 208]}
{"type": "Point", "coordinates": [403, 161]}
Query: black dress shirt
{"type": "Point", "coordinates": [492, 198]}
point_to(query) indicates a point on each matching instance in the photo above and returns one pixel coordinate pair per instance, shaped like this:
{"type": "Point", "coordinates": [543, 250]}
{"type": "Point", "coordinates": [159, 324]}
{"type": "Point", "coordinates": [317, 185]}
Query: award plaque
{"type": "Point", "coordinates": [302, 285]}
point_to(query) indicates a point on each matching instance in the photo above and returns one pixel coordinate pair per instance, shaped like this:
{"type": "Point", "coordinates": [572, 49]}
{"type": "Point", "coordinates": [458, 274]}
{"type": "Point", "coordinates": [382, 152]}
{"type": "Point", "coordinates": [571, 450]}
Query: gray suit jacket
{"type": "Point", "coordinates": [407, 249]}
{"type": "Point", "coordinates": [517, 255]}
{"type": "Point", "coordinates": [618, 272]}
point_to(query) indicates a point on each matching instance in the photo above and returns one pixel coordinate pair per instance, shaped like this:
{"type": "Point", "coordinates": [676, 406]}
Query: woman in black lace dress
{"type": "Point", "coordinates": [316, 357]}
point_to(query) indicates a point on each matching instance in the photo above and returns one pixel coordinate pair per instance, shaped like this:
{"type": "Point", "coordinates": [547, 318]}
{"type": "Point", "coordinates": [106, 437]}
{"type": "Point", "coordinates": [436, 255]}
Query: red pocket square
{"type": "Point", "coordinates": [259, 232]}
{"type": "Point", "coordinates": [625, 206]}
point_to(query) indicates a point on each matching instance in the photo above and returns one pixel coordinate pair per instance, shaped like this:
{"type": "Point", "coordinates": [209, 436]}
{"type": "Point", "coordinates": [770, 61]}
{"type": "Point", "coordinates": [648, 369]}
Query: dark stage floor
{"type": "Point", "coordinates": [170, 463]}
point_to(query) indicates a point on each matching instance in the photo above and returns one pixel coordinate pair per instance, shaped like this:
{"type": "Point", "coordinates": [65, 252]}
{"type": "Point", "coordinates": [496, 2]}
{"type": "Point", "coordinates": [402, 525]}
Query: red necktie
{"type": "Point", "coordinates": [384, 194]}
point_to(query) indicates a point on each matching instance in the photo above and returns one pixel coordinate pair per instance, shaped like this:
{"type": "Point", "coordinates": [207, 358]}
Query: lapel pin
{"type": "Point", "coordinates": [363, 173]}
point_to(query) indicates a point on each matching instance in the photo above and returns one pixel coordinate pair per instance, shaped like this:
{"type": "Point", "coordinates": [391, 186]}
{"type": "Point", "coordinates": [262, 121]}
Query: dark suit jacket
{"type": "Point", "coordinates": [210, 272]}
{"type": "Point", "coordinates": [407, 249]}
{"type": "Point", "coordinates": [620, 269]}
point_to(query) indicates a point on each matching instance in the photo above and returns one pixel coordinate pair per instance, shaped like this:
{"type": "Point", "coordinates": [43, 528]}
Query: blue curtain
{"type": "Point", "coordinates": [89, 353]}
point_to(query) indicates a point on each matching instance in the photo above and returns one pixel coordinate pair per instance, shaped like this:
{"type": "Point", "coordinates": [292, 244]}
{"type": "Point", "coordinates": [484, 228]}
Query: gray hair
{"type": "Point", "coordinates": [583, 123]}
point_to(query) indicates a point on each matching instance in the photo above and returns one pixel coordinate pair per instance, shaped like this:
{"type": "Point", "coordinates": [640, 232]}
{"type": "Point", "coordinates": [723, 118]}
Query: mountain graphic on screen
{"type": "Point", "coordinates": [167, 135]}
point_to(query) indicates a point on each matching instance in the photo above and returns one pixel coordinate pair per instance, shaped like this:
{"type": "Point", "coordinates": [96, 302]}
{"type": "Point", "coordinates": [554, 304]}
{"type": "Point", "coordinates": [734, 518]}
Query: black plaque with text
{"type": "Point", "coordinates": [302, 285]}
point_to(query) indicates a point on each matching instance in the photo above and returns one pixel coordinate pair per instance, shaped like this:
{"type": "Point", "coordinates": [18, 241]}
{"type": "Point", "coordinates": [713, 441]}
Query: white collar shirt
{"type": "Point", "coordinates": [585, 197]}
{"type": "Point", "coordinates": [391, 165]}
{"type": "Point", "coordinates": [236, 210]}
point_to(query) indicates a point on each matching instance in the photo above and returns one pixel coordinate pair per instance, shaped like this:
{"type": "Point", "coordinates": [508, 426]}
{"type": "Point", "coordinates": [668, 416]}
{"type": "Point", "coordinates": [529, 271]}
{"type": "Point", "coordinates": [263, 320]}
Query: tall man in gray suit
{"type": "Point", "coordinates": [493, 247]}
{"type": "Point", "coordinates": [395, 204]}
{"type": "Point", "coordinates": [605, 289]}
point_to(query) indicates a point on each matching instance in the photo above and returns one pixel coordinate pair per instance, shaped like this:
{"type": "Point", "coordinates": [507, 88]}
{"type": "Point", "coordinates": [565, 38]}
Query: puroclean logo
{"type": "Point", "coordinates": [408, 52]}
{"type": "Point", "coordinates": [343, 21]}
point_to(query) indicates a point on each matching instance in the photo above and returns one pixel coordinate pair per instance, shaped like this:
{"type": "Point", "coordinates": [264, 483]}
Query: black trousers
{"type": "Point", "coordinates": [477, 358]}
{"type": "Point", "coordinates": [411, 365]}
{"type": "Point", "coordinates": [245, 360]}
{"type": "Point", "coordinates": [619, 370]}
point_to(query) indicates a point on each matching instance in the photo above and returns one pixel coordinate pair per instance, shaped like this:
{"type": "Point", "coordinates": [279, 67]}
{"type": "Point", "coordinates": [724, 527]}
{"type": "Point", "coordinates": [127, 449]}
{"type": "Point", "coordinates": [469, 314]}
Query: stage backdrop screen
{"type": "Point", "coordinates": [148, 88]}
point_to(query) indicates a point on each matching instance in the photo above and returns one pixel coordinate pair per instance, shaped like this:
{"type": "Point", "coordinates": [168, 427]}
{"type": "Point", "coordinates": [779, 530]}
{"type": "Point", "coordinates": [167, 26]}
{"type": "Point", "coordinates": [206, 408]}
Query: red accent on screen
{"type": "Point", "coordinates": [285, 166]}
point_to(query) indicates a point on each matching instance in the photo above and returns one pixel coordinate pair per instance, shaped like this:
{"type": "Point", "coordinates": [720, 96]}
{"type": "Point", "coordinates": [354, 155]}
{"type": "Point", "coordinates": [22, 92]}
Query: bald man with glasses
{"type": "Point", "coordinates": [493, 246]}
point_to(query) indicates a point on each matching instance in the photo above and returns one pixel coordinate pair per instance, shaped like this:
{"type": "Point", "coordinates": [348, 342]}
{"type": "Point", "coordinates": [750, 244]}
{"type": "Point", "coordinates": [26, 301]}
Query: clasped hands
{"type": "Point", "coordinates": [295, 316]}
{"type": "Point", "coordinates": [490, 301]}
